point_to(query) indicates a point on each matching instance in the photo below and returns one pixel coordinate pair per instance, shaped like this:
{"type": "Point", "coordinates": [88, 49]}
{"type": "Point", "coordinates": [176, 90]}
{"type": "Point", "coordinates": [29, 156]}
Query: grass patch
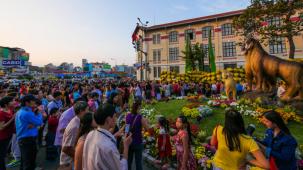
{"type": "Point", "coordinates": [172, 109]}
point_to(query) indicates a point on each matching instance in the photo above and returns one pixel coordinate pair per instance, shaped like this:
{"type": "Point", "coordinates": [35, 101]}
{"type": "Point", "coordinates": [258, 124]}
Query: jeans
{"type": "Point", "coordinates": [28, 148]}
{"type": "Point", "coordinates": [40, 134]}
{"type": "Point", "coordinates": [51, 149]}
{"type": "Point", "coordinates": [3, 151]}
{"type": "Point", "coordinates": [137, 150]}
{"type": "Point", "coordinates": [15, 148]}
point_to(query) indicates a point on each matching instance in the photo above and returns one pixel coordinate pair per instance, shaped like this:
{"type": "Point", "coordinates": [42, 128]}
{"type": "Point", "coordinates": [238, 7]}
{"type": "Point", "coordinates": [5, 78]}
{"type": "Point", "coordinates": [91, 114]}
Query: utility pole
{"type": "Point", "coordinates": [143, 28]}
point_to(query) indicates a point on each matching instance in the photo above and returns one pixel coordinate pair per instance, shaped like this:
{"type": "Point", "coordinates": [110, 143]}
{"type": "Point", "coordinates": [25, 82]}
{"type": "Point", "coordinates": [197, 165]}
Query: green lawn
{"type": "Point", "coordinates": [172, 109]}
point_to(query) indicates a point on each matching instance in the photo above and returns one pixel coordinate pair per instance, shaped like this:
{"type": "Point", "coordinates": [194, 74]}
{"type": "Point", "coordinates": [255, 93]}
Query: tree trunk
{"type": "Point", "coordinates": [292, 47]}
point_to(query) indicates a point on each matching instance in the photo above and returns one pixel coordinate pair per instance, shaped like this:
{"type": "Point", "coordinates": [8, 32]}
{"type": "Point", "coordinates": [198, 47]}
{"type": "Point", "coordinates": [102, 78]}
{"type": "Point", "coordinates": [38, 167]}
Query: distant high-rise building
{"type": "Point", "coordinates": [84, 62]}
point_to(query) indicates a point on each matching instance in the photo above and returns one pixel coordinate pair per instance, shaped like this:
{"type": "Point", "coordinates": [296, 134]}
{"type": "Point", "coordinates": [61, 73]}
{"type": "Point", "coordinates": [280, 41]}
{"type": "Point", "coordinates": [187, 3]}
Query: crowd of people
{"type": "Point", "coordinates": [77, 123]}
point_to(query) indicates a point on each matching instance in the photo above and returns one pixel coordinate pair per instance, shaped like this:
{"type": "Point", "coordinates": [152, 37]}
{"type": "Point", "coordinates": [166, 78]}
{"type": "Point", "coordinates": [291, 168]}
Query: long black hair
{"type": "Point", "coordinates": [233, 128]}
{"type": "Point", "coordinates": [185, 121]}
{"type": "Point", "coordinates": [111, 98]}
{"type": "Point", "coordinates": [135, 107]}
{"type": "Point", "coordinates": [85, 124]}
{"type": "Point", "coordinates": [164, 123]}
{"type": "Point", "coordinates": [274, 117]}
{"type": "Point", "coordinates": [5, 101]}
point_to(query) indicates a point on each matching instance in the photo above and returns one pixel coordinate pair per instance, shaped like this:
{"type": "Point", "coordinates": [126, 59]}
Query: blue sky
{"type": "Point", "coordinates": [56, 31]}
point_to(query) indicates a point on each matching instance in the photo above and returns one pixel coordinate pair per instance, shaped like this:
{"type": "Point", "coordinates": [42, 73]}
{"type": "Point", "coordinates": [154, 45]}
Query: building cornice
{"type": "Point", "coordinates": [196, 20]}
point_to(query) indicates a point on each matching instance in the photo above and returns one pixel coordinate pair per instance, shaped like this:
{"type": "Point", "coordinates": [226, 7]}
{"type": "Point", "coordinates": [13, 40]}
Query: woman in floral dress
{"type": "Point", "coordinates": [185, 157]}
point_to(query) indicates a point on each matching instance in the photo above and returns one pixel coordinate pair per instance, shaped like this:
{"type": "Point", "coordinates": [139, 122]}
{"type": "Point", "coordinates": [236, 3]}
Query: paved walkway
{"type": "Point", "coordinates": [53, 165]}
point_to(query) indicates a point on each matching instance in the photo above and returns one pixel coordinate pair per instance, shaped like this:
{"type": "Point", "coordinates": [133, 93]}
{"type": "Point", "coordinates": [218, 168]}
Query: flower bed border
{"type": "Point", "coordinates": [151, 161]}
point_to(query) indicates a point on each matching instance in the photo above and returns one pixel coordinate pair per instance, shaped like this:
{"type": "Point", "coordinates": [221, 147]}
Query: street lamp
{"type": "Point", "coordinates": [143, 28]}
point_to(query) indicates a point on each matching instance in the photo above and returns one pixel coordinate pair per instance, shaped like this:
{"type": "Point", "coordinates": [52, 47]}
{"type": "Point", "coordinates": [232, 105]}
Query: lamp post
{"type": "Point", "coordinates": [140, 49]}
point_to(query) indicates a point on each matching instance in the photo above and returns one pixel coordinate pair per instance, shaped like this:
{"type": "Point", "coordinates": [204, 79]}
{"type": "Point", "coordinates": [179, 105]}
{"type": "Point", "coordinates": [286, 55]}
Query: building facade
{"type": "Point", "coordinates": [96, 67]}
{"type": "Point", "coordinates": [162, 45]}
{"type": "Point", "coordinates": [14, 60]}
{"type": "Point", "coordinates": [125, 68]}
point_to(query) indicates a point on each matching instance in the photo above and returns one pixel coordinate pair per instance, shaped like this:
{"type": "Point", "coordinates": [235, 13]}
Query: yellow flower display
{"type": "Point", "coordinates": [194, 113]}
{"type": "Point", "coordinates": [199, 152]}
{"type": "Point", "coordinates": [286, 115]}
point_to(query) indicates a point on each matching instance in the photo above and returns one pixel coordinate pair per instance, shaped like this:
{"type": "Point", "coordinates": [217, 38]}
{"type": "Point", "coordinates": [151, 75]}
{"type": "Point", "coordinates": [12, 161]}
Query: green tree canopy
{"type": "Point", "coordinates": [272, 19]}
{"type": "Point", "coordinates": [193, 54]}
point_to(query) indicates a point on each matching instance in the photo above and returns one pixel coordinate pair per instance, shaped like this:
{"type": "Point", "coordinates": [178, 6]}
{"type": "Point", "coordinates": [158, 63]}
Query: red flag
{"type": "Point", "coordinates": [134, 37]}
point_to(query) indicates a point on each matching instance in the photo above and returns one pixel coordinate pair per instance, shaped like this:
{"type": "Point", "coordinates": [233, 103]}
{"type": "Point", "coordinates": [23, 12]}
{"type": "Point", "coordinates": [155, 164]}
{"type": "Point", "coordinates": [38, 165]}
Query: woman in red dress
{"type": "Point", "coordinates": [164, 145]}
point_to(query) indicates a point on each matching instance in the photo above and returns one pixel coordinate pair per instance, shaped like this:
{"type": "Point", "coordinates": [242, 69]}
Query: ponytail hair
{"type": "Point", "coordinates": [185, 121]}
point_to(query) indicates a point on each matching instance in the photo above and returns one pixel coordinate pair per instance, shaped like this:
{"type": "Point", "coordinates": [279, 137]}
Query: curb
{"type": "Point", "coordinates": [151, 161]}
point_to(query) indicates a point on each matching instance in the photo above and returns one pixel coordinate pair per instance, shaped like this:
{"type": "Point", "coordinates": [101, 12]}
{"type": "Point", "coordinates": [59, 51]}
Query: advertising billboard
{"type": "Point", "coordinates": [13, 63]}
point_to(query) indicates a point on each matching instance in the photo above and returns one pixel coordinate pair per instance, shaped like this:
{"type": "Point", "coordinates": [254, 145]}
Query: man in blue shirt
{"type": "Point", "coordinates": [27, 123]}
{"type": "Point", "coordinates": [239, 88]}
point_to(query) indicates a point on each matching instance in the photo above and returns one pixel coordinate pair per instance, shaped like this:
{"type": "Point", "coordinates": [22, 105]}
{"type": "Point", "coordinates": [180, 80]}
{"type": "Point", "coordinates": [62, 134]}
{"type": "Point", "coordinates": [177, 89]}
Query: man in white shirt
{"type": "Point", "coordinates": [100, 149]}
{"type": "Point", "coordinates": [70, 135]}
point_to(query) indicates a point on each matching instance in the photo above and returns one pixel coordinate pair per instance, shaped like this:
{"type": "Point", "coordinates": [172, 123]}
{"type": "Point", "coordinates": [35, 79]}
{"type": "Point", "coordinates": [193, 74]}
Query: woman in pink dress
{"type": "Point", "coordinates": [185, 157]}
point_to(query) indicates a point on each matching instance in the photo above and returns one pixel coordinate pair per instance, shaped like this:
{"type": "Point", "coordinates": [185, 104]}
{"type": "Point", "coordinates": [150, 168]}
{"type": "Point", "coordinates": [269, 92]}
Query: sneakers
{"type": "Point", "coordinates": [13, 163]}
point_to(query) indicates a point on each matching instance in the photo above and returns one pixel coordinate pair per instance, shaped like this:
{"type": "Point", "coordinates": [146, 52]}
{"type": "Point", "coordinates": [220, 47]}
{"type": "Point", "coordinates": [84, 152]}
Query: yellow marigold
{"type": "Point", "coordinates": [208, 163]}
{"type": "Point", "coordinates": [198, 156]}
{"type": "Point", "coordinates": [174, 152]}
{"type": "Point", "coordinates": [146, 134]}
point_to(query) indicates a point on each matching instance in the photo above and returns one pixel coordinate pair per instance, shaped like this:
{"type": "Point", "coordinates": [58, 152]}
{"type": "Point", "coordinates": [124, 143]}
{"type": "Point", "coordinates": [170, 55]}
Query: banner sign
{"type": "Point", "coordinates": [13, 63]}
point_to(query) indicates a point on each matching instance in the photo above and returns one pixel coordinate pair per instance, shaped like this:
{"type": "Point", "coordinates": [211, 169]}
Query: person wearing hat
{"type": "Point", "coordinates": [27, 123]}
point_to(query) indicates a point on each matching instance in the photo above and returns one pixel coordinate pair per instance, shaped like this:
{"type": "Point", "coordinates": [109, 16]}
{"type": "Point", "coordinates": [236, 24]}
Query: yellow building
{"type": "Point", "coordinates": [162, 45]}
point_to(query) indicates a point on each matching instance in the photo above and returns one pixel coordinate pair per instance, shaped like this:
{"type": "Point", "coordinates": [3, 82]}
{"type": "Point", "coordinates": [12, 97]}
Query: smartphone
{"type": "Point", "coordinates": [127, 126]}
